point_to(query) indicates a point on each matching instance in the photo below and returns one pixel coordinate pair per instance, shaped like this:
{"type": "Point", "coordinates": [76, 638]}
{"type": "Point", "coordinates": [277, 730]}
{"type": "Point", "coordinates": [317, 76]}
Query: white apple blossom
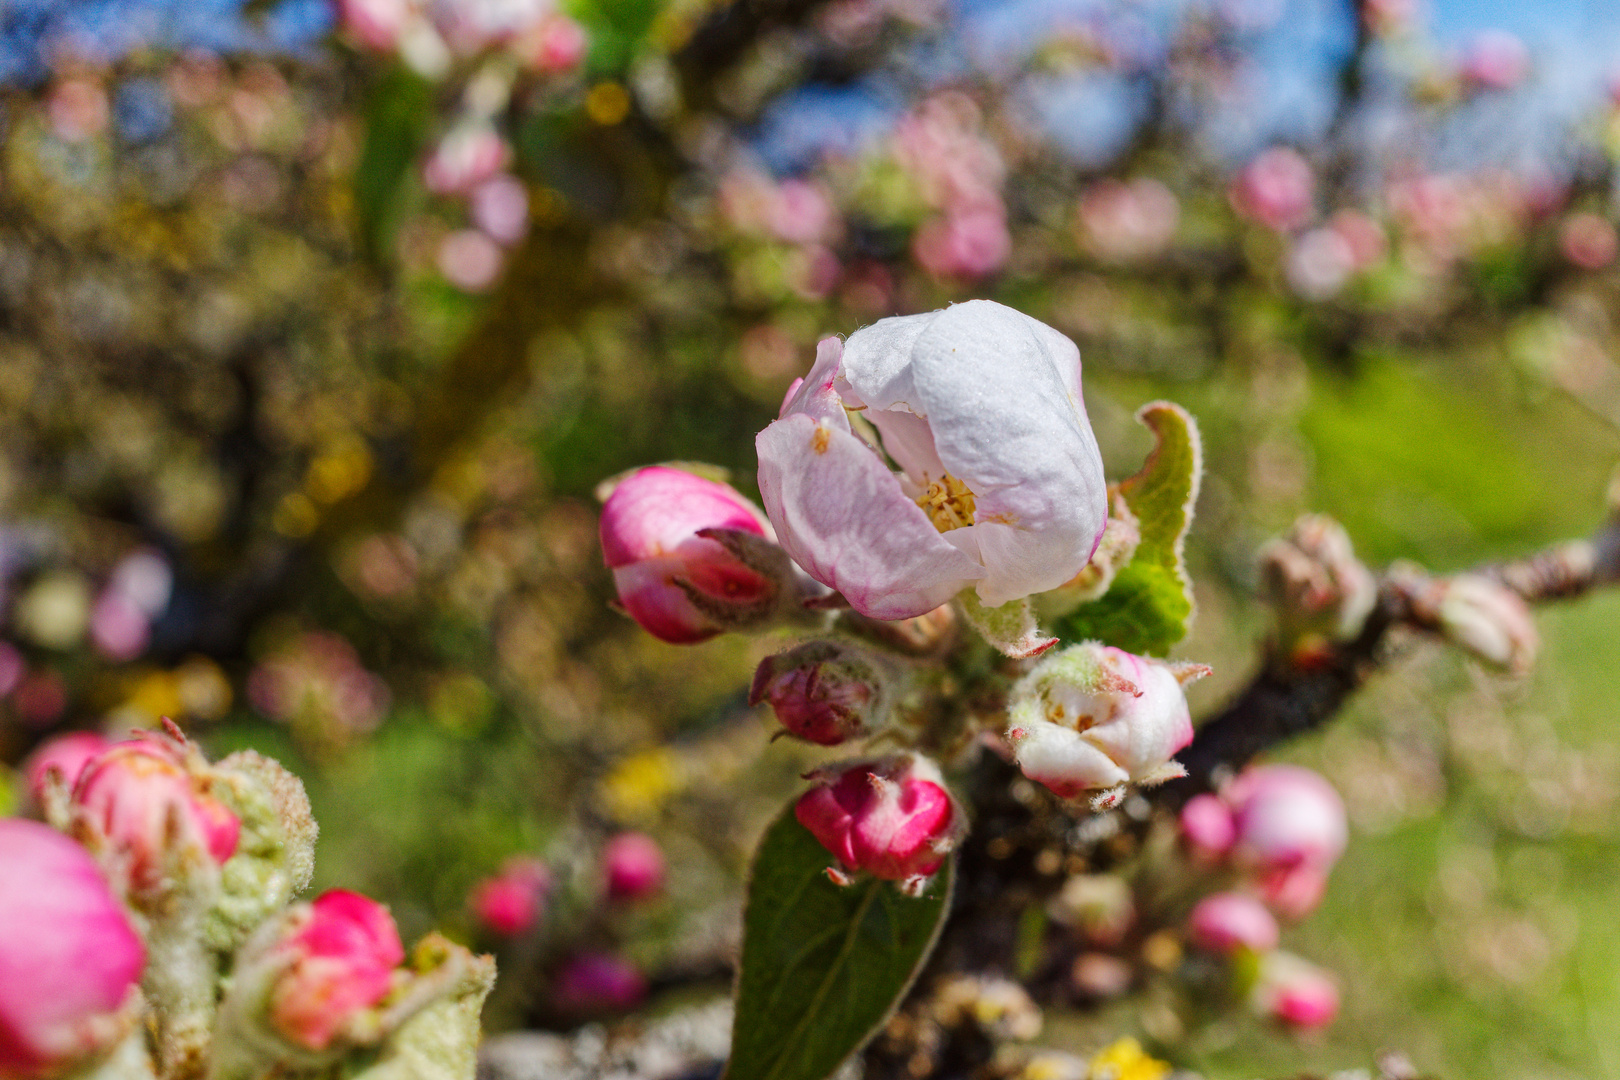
{"type": "Point", "coordinates": [1001, 485]}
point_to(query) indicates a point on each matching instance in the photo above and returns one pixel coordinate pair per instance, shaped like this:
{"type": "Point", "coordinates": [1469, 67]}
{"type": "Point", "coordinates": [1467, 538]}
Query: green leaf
{"type": "Point", "coordinates": [1011, 628]}
{"type": "Point", "coordinates": [1147, 608]}
{"type": "Point", "coordinates": [823, 966]}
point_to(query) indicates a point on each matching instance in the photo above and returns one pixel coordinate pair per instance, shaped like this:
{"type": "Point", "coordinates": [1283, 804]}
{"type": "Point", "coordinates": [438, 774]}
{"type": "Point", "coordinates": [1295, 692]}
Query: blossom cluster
{"type": "Point", "coordinates": [149, 928]}
{"type": "Point", "coordinates": [931, 470]}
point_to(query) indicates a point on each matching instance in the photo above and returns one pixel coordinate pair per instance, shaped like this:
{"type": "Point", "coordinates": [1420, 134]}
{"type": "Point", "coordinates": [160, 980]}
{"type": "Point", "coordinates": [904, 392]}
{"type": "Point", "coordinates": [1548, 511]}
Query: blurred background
{"type": "Point", "coordinates": [320, 323]}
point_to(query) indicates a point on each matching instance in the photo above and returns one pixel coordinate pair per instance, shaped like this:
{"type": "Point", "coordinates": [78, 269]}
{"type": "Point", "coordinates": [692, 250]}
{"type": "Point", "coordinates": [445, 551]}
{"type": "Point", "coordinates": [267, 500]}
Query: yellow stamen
{"type": "Point", "coordinates": [948, 503]}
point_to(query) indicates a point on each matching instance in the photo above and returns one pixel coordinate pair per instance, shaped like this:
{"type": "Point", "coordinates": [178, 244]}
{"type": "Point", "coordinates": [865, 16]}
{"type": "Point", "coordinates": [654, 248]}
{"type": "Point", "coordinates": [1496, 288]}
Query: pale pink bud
{"type": "Point", "coordinates": [596, 982]}
{"type": "Point", "coordinates": [119, 628]}
{"type": "Point", "coordinates": [70, 961]}
{"type": "Point", "coordinates": [1276, 189]}
{"type": "Point", "coordinates": [1588, 241]}
{"type": "Point", "coordinates": [632, 866]}
{"type": "Point", "coordinates": [339, 957]}
{"type": "Point", "coordinates": [1297, 992]}
{"type": "Point", "coordinates": [1226, 922]}
{"type": "Point", "coordinates": [145, 805]}
{"type": "Point", "coordinates": [469, 260]}
{"type": "Point", "coordinates": [891, 817]}
{"type": "Point", "coordinates": [376, 24]}
{"type": "Point", "coordinates": [511, 902]}
{"type": "Point", "coordinates": [466, 157]}
{"type": "Point", "coordinates": [964, 243]}
{"type": "Point", "coordinates": [1489, 620]}
{"type": "Point", "coordinates": [1207, 826]}
{"type": "Point", "coordinates": [67, 755]}
{"type": "Point", "coordinates": [1294, 891]}
{"type": "Point", "coordinates": [801, 212]}
{"type": "Point", "coordinates": [556, 45]}
{"type": "Point", "coordinates": [1123, 221]}
{"type": "Point", "coordinates": [500, 207]}
{"type": "Point", "coordinates": [1096, 717]}
{"type": "Point", "coordinates": [824, 692]}
{"type": "Point", "coordinates": [683, 587]}
{"type": "Point", "coordinates": [1319, 263]}
{"type": "Point", "coordinates": [1496, 60]}
{"type": "Point", "coordinates": [1286, 816]}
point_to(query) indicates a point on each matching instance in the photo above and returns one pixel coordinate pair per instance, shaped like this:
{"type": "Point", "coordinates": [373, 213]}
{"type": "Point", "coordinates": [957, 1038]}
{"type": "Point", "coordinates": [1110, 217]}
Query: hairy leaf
{"type": "Point", "coordinates": [1148, 606]}
{"type": "Point", "coordinates": [823, 965]}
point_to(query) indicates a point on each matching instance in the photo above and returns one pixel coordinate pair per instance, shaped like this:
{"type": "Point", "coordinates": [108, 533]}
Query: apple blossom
{"type": "Point", "coordinates": [70, 961]}
{"type": "Point", "coordinates": [632, 866]}
{"type": "Point", "coordinates": [1315, 582]}
{"type": "Point", "coordinates": [335, 960]}
{"type": "Point", "coordinates": [470, 154]}
{"type": "Point", "coordinates": [1275, 189]}
{"type": "Point", "coordinates": [891, 817]}
{"type": "Point", "coordinates": [1002, 486]}
{"type": "Point", "coordinates": [1496, 60]}
{"type": "Point", "coordinates": [824, 692]}
{"type": "Point", "coordinates": [1096, 717]}
{"type": "Point", "coordinates": [511, 902]}
{"type": "Point", "coordinates": [1286, 816]}
{"type": "Point", "coordinates": [1588, 240]}
{"type": "Point", "coordinates": [1226, 922]}
{"type": "Point", "coordinates": [691, 557]}
{"type": "Point", "coordinates": [145, 807]}
{"type": "Point", "coordinates": [964, 242]}
{"type": "Point", "coordinates": [1122, 221]}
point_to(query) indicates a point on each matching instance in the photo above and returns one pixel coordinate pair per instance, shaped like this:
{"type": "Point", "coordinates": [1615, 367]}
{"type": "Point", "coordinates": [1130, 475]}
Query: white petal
{"type": "Point", "coordinates": [1064, 761]}
{"type": "Point", "coordinates": [841, 514]}
{"type": "Point", "coordinates": [877, 362]}
{"type": "Point", "coordinates": [908, 441]}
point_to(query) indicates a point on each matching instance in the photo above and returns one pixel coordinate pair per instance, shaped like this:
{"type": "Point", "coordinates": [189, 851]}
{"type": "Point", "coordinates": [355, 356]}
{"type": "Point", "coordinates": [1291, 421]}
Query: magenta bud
{"type": "Point", "coordinates": [67, 755]}
{"type": "Point", "coordinates": [596, 982]}
{"type": "Point", "coordinates": [339, 958]}
{"type": "Point", "coordinates": [683, 587]}
{"type": "Point", "coordinates": [1286, 816]}
{"type": "Point", "coordinates": [145, 803]}
{"type": "Point", "coordinates": [1297, 992]}
{"type": "Point", "coordinates": [1207, 827]}
{"type": "Point", "coordinates": [1226, 922]}
{"type": "Point", "coordinates": [824, 692]}
{"type": "Point", "coordinates": [633, 866]}
{"type": "Point", "coordinates": [70, 961]}
{"type": "Point", "coordinates": [891, 817]}
{"type": "Point", "coordinates": [511, 902]}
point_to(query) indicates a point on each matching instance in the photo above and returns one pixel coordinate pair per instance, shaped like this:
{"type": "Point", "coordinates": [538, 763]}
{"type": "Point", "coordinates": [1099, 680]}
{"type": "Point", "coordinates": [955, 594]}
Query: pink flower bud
{"type": "Point", "coordinates": [1207, 826]}
{"type": "Point", "coordinates": [680, 586]}
{"type": "Point", "coordinates": [891, 817]}
{"type": "Point", "coordinates": [596, 982]}
{"type": "Point", "coordinates": [1294, 891]}
{"type": "Point", "coordinates": [633, 866]}
{"type": "Point", "coordinates": [1226, 922]}
{"type": "Point", "coordinates": [70, 961]}
{"type": "Point", "coordinates": [1489, 620]}
{"type": "Point", "coordinates": [145, 803]}
{"type": "Point", "coordinates": [339, 961]}
{"type": "Point", "coordinates": [556, 45]}
{"type": "Point", "coordinates": [465, 158]}
{"type": "Point", "coordinates": [1496, 60]}
{"type": "Point", "coordinates": [1122, 222]}
{"type": "Point", "coordinates": [1320, 263]}
{"type": "Point", "coordinates": [500, 207]}
{"type": "Point", "coordinates": [1276, 190]}
{"type": "Point", "coordinates": [511, 902]}
{"type": "Point", "coordinates": [970, 242]}
{"type": "Point", "coordinates": [1297, 992]}
{"type": "Point", "coordinates": [1096, 717]}
{"type": "Point", "coordinates": [469, 260]}
{"type": "Point", "coordinates": [375, 24]}
{"type": "Point", "coordinates": [68, 755]}
{"type": "Point", "coordinates": [119, 628]}
{"type": "Point", "coordinates": [1588, 241]}
{"type": "Point", "coordinates": [1286, 816]}
{"type": "Point", "coordinates": [824, 692]}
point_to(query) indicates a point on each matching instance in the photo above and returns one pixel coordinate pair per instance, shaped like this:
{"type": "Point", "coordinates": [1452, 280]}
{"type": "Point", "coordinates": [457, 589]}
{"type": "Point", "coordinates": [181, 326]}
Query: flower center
{"type": "Point", "coordinates": [948, 503]}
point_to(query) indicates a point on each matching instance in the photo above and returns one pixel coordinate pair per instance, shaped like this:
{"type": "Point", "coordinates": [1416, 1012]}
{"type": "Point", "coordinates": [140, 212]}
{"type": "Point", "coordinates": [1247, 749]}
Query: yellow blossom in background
{"type": "Point", "coordinates": [639, 785]}
{"type": "Point", "coordinates": [1126, 1060]}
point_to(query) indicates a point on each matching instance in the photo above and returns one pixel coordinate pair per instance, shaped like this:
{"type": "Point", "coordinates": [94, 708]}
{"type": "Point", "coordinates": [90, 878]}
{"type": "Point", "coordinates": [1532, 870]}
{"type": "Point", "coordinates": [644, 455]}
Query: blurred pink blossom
{"type": "Point", "coordinates": [500, 207]}
{"type": "Point", "coordinates": [1124, 221]}
{"type": "Point", "coordinates": [632, 866]}
{"type": "Point", "coordinates": [1495, 60]}
{"type": "Point", "coordinates": [964, 244]}
{"type": "Point", "coordinates": [469, 260]}
{"type": "Point", "coordinates": [597, 982]}
{"type": "Point", "coordinates": [1587, 240]}
{"type": "Point", "coordinates": [511, 902]}
{"type": "Point", "coordinates": [1276, 189]}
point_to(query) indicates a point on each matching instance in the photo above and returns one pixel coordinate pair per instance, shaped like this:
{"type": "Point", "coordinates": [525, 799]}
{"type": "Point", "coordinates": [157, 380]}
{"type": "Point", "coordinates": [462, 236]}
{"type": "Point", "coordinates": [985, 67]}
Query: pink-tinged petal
{"type": "Point", "coordinates": [878, 363]}
{"type": "Point", "coordinates": [843, 517]}
{"type": "Point", "coordinates": [1226, 922]}
{"type": "Point", "coordinates": [908, 440]}
{"type": "Point", "coordinates": [655, 510]}
{"type": "Point", "coordinates": [1287, 815]}
{"type": "Point", "coordinates": [1149, 729]}
{"type": "Point", "coordinates": [68, 755]}
{"type": "Point", "coordinates": [1001, 394]}
{"type": "Point", "coordinates": [891, 817]}
{"type": "Point", "coordinates": [1063, 759]}
{"type": "Point", "coordinates": [647, 592]}
{"type": "Point", "coordinates": [1207, 826]}
{"type": "Point", "coordinates": [816, 395]}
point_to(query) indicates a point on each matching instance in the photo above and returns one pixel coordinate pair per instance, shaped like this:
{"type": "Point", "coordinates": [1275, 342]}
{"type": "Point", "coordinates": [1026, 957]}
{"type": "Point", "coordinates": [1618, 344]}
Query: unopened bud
{"type": "Point", "coordinates": [632, 866]}
{"type": "Point", "coordinates": [145, 807]}
{"type": "Point", "coordinates": [892, 817]}
{"type": "Point", "coordinates": [1314, 580]}
{"type": "Point", "coordinates": [1095, 717]}
{"type": "Point", "coordinates": [596, 983]}
{"type": "Point", "coordinates": [1291, 829]}
{"type": "Point", "coordinates": [1295, 991]}
{"type": "Point", "coordinates": [1226, 922]}
{"type": "Point", "coordinates": [339, 960]}
{"type": "Point", "coordinates": [691, 557]}
{"type": "Point", "coordinates": [1489, 620]}
{"type": "Point", "coordinates": [511, 902]}
{"type": "Point", "coordinates": [70, 962]}
{"type": "Point", "coordinates": [1207, 827]}
{"type": "Point", "coordinates": [825, 692]}
{"type": "Point", "coordinates": [65, 757]}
